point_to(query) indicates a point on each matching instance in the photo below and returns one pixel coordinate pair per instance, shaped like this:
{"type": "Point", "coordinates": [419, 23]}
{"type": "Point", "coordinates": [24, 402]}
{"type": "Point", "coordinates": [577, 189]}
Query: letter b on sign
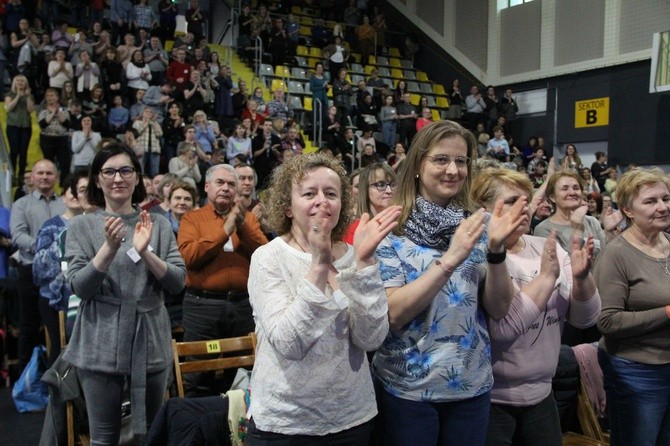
{"type": "Point", "coordinates": [591, 117]}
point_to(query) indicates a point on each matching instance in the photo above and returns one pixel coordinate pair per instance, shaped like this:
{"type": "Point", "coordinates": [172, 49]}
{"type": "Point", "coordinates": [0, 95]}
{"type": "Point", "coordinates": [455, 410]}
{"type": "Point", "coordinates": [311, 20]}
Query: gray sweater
{"type": "Point", "coordinates": [122, 326]}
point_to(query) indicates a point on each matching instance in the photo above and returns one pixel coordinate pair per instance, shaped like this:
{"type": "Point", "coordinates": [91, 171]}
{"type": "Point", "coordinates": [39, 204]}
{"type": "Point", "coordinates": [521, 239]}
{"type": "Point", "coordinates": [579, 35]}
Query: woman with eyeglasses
{"type": "Point", "coordinates": [121, 261]}
{"type": "Point", "coordinates": [444, 271]}
{"type": "Point", "coordinates": [376, 187]}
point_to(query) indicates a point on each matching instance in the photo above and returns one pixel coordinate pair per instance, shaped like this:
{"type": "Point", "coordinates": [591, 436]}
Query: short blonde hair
{"type": "Point", "coordinates": [630, 183]}
{"type": "Point", "coordinates": [278, 198]}
{"type": "Point", "coordinates": [424, 141]}
{"type": "Point", "coordinates": [486, 185]}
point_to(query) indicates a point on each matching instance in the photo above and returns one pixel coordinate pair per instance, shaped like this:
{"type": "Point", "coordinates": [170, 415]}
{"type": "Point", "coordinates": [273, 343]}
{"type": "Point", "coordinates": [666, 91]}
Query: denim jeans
{"type": "Point", "coordinates": [389, 133]}
{"type": "Point", "coordinates": [153, 163]}
{"type": "Point", "coordinates": [444, 424]}
{"type": "Point", "coordinates": [538, 424]}
{"type": "Point", "coordinates": [638, 401]}
{"type": "Point", "coordinates": [19, 140]}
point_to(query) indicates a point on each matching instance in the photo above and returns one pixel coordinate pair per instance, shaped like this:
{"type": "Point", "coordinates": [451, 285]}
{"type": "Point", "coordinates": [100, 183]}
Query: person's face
{"type": "Point", "coordinates": [380, 200]}
{"type": "Point", "coordinates": [60, 56]}
{"type": "Point", "coordinates": [361, 85]}
{"type": "Point", "coordinates": [86, 123]}
{"type": "Point", "coordinates": [97, 27]}
{"type": "Point", "coordinates": [349, 134]}
{"type": "Point", "coordinates": [279, 94]}
{"type": "Point", "coordinates": [181, 202]}
{"type": "Point", "coordinates": [148, 114]}
{"type": "Point", "coordinates": [221, 189]}
{"type": "Point", "coordinates": [570, 150]}
{"type": "Point", "coordinates": [110, 55]}
{"type": "Point", "coordinates": [368, 150]}
{"type": "Point", "coordinates": [198, 53]}
{"type": "Point", "coordinates": [389, 100]}
{"type": "Point", "coordinates": [650, 208]}
{"type": "Point", "coordinates": [181, 55]}
{"type": "Point", "coordinates": [195, 77]}
{"type": "Point", "coordinates": [354, 188]}
{"type": "Point", "coordinates": [498, 134]}
{"type": "Point", "coordinates": [154, 43]}
{"type": "Point", "coordinates": [174, 109]}
{"type": "Point", "coordinates": [239, 130]}
{"type": "Point", "coordinates": [117, 190]}
{"type": "Point", "coordinates": [586, 174]}
{"type": "Point", "coordinates": [490, 91]}
{"type": "Point", "coordinates": [399, 149]}
{"type": "Point", "coordinates": [474, 90]}
{"type": "Point", "coordinates": [23, 24]}
{"type": "Point", "coordinates": [246, 123]}
{"type": "Point", "coordinates": [267, 127]}
{"type": "Point", "coordinates": [190, 134]}
{"type": "Point", "coordinates": [139, 95]}
{"type": "Point", "coordinates": [129, 39]}
{"type": "Point", "coordinates": [51, 97]}
{"type": "Point", "coordinates": [71, 202]}
{"type": "Point", "coordinates": [402, 85]}
{"type": "Point", "coordinates": [245, 178]}
{"type": "Point", "coordinates": [292, 134]}
{"type": "Point", "coordinates": [567, 194]}
{"type": "Point", "coordinates": [343, 74]}
{"type": "Point", "coordinates": [82, 189]}
{"type": "Point", "coordinates": [253, 106]}
{"type": "Point", "coordinates": [440, 184]}
{"type": "Point", "coordinates": [508, 92]}
{"type": "Point", "coordinates": [315, 199]}
{"type": "Point", "coordinates": [84, 57]}
{"type": "Point", "coordinates": [540, 141]}
{"type": "Point", "coordinates": [155, 183]}
{"type": "Point", "coordinates": [28, 179]}
{"type": "Point", "coordinates": [543, 209]}
{"type": "Point", "coordinates": [406, 97]}
{"type": "Point", "coordinates": [258, 92]}
{"type": "Point", "coordinates": [44, 176]}
{"type": "Point", "coordinates": [426, 114]}
{"type": "Point", "coordinates": [510, 194]}
{"type": "Point", "coordinates": [593, 206]}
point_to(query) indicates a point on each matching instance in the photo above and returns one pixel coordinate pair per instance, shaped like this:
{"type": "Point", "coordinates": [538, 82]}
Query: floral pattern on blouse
{"type": "Point", "coordinates": [444, 353]}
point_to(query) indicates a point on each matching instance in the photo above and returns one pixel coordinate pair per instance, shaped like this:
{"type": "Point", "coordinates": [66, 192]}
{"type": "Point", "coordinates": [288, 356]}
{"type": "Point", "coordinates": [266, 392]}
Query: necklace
{"type": "Point", "coordinates": [664, 265]}
{"type": "Point", "coordinates": [297, 243]}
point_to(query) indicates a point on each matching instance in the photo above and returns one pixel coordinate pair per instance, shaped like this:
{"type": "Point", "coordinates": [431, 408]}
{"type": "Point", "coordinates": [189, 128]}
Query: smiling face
{"type": "Point", "coordinates": [567, 194]}
{"type": "Point", "coordinates": [380, 200]}
{"type": "Point", "coordinates": [649, 210]}
{"type": "Point", "coordinates": [315, 199]}
{"type": "Point", "coordinates": [440, 184]}
{"type": "Point", "coordinates": [221, 189]}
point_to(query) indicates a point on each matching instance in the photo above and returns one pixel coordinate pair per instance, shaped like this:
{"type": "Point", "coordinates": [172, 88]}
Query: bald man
{"type": "Point", "coordinates": [27, 217]}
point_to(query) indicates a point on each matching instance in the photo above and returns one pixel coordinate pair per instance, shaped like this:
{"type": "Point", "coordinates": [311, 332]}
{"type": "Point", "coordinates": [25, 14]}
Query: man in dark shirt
{"type": "Point", "coordinates": [267, 156]}
{"type": "Point", "coordinates": [406, 120]}
{"type": "Point", "coordinates": [600, 170]}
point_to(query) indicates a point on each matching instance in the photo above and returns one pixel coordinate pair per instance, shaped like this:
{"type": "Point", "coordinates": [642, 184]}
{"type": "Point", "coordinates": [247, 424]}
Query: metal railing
{"type": "Point", "coordinates": [258, 56]}
{"type": "Point", "coordinates": [317, 122]}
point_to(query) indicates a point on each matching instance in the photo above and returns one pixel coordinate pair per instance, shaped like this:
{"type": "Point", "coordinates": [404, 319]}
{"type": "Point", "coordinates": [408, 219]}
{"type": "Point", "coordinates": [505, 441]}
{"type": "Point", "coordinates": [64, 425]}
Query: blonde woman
{"type": "Point", "coordinates": [19, 104]}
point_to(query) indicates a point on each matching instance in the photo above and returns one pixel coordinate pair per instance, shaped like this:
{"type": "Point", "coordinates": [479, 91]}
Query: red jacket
{"type": "Point", "coordinates": [177, 70]}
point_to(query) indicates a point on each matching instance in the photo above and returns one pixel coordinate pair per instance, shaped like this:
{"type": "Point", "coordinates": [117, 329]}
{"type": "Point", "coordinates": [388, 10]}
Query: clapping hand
{"type": "Point", "coordinates": [610, 218]}
{"type": "Point", "coordinates": [464, 239]}
{"type": "Point", "coordinates": [502, 225]}
{"type": "Point", "coordinates": [549, 265]}
{"type": "Point", "coordinates": [371, 231]}
{"type": "Point", "coordinates": [115, 232]}
{"type": "Point", "coordinates": [581, 259]}
{"type": "Point", "coordinates": [142, 232]}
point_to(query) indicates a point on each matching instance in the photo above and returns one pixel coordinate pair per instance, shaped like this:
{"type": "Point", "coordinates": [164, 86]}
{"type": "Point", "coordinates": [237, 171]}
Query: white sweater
{"type": "Point", "coordinates": [311, 374]}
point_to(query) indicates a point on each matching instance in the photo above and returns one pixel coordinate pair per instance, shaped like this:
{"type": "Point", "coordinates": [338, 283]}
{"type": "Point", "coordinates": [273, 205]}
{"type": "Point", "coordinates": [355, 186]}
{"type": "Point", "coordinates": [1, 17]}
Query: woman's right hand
{"type": "Point", "coordinates": [464, 239]}
{"type": "Point", "coordinates": [115, 232]}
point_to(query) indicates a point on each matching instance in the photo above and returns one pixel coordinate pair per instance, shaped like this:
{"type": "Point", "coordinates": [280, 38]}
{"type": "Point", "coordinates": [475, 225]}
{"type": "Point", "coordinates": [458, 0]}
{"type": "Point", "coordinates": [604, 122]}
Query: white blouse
{"type": "Point", "coordinates": [311, 375]}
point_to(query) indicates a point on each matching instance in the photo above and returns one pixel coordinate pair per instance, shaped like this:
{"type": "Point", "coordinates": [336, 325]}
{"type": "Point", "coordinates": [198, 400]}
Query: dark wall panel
{"type": "Point", "coordinates": [432, 13]}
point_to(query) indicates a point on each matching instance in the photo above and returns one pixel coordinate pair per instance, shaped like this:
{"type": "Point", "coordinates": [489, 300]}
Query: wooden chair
{"type": "Point", "coordinates": [593, 433]}
{"type": "Point", "coordinates": [215, 354]}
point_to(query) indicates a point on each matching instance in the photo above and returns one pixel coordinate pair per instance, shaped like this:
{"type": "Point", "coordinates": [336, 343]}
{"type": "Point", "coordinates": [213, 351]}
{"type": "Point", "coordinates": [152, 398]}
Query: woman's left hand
{"type": "Point", "coordinates": [502, 225]}
{"type": "Point", "coordinates": [142, 232]}
{"type": "Point", "coordinates": [581, 259]}
{"type": "Point", "coordinates": [371, 231]}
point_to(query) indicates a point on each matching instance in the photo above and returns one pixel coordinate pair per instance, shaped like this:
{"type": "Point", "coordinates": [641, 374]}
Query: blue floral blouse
{"type": "Point", "coordinates": [444, 354]}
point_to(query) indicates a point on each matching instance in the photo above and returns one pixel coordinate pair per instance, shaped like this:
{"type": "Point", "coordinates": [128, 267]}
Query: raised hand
{"type": "Point", "coordinates": [610, 218]}
{"type": "Point", "coordinates": [371, 231]}
{"type": "Point", "coordinates": [318, 238]}
{"type": "Point", "coordinates": [577, 217]}
{"type": "Point", "coordinates": [581, 259]}
{"type": "Point", "coordinates": [502, 225]}
{"type": "Point", "coordinates": [549, 265]}
{"type": "Point", "coordinates": [115, 231]}
{"type": "Point", "coordinates": [142, 232]}
{"type": "Point", "coordinates": [464, 239]}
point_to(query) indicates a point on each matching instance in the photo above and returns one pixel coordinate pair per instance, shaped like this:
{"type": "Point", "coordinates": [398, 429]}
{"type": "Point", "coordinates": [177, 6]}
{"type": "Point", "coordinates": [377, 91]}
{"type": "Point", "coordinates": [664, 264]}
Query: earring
{"type": "Point", "coordinates": [417, 176]}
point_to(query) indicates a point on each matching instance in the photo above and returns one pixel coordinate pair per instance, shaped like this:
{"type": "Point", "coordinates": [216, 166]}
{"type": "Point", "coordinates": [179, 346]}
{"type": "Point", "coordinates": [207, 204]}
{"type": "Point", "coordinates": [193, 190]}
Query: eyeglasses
{"type": "Point", "coordinates": [461, 162]}
{"type": "Point", "coordinates": [109, 173]}
{"type": "Point", "coordinates": [382, 185]}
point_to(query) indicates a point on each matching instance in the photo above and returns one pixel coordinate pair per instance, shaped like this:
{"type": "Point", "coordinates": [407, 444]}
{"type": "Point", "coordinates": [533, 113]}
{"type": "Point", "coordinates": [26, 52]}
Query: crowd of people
{"type": "Point", "coordinates": [409, 288]}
